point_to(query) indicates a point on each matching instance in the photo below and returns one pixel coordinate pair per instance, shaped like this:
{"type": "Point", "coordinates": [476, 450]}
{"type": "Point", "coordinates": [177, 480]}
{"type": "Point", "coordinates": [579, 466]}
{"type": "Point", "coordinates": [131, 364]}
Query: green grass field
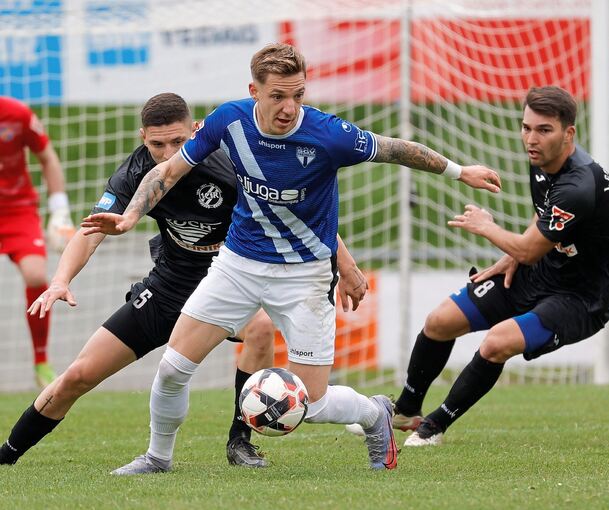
{"type": "Point", "coordinates": [522, 447]}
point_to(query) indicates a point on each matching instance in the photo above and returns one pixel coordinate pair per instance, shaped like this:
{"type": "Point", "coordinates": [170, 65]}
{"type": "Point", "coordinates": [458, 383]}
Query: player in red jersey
{"type": "Point", "coordinates": [21, 236]}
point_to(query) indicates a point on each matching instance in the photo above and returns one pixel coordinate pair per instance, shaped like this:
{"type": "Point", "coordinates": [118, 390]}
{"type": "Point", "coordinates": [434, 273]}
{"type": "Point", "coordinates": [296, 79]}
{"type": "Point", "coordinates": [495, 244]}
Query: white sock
{"type": "Point", "coordinates": [342, 404]}
{"type": "Point", "coordinates": [169, 402]}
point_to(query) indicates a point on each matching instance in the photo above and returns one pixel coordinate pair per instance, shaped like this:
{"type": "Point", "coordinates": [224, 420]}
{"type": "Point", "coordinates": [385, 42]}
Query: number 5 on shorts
{"type": "Point", "coordinates": [142, 299]}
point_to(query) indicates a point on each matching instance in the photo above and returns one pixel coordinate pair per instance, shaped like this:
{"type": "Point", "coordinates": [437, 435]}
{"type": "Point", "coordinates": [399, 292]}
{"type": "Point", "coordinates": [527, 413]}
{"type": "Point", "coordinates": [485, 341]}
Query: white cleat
{"type": "Point", "coordinates": [415, 439]}
{"type": "Point", "coordinates": [141, 465]}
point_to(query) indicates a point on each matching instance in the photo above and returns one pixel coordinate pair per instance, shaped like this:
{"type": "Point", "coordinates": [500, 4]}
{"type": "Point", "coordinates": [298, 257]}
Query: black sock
{"type": "Point", "coordinates": [29, 429]}
{"type": "Point", "coordinates": [427, 360]}
{"type": "Point", "coordinates": [239, 427]}
{"type": "Point", "coordinates": [475, 381]}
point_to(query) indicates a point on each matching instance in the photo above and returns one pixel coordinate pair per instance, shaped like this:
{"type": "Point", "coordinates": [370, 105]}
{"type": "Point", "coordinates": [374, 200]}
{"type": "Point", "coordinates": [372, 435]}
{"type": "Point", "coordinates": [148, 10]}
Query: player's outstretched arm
{"type": "Point", "coordinates": [154, 186]}
{"type": "Point", "coordinates": [75, 256]}
{"type": "Point", "coordinates": [526, 248]}
{"type": "Point", "coordinates": [421, 157]}
{"type": "Point", "coordinates": [352, 283]}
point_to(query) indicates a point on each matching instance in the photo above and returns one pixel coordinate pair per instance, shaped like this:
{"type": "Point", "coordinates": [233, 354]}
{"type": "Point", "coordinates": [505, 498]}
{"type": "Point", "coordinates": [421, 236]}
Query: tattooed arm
{"type": "Point", "coordinates": [420, 157]}
{"type": "Point", "coordinates": [154, 186]}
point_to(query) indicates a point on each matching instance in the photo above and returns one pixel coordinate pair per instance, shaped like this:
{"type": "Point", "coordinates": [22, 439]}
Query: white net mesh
{"type": "Point", "coordinates": [455, 71]}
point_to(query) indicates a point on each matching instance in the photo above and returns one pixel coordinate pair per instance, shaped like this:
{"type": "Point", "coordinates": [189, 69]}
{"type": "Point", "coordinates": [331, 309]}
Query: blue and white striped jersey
{"type": "Point", "coordinates": [287, 205]}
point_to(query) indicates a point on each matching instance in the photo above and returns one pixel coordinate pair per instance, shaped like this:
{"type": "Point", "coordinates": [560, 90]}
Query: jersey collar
{"type": "Point", "coordinates": [279, 137]}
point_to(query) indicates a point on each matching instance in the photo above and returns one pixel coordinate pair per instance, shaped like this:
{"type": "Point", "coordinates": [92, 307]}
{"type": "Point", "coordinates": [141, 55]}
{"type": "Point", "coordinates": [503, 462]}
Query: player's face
{"type": "Point", "coordinates": [547, 143]}
{"type": "Point", "coordinates": [164, 141]}
{"type": "Point", "coordinates": [279, 101]}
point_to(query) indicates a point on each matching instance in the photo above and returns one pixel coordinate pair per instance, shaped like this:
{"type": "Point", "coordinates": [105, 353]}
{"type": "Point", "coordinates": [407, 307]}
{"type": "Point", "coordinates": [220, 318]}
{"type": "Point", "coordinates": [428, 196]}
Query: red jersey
{"type": "Point", "coordinates": [19, 128]}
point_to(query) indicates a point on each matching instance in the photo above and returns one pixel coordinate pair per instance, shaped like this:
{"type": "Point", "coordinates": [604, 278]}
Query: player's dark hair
{"type": "Point", "coordinates": [164, 109]}
{"type": "Point", "coordinates": [278, 58]}
{"type": "Point", "coordinates": [553, 102]}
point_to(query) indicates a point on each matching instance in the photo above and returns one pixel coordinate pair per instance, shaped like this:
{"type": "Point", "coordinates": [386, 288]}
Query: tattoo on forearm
{"type": "Point", "coordinates": [48, 402]}
{"type": "Point", "coordinates": [410, 154]}
{"type": "Point", "coordinates": [148, 194]}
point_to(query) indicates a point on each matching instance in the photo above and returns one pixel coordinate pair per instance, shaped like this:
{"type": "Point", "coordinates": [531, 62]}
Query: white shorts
{"type": "Point", "coordinates": [299, 299]}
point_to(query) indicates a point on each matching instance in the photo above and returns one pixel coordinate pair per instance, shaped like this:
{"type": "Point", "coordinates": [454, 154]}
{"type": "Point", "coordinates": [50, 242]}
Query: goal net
{"type": "Point", "coordinates": [450, 75]}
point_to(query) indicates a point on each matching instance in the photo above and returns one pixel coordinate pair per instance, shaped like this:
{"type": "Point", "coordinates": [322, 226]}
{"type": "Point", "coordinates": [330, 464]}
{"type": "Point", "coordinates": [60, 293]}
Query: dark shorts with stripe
{"type": "Point", "coordinates": [566, 315]}
{"type": "Point", "coordinates": [147, 318]}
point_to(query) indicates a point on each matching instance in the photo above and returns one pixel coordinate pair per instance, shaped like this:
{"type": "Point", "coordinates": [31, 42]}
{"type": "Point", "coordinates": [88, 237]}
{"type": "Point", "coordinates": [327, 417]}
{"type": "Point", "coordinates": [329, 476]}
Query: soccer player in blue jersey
{"type": "Point", "coordinates": [280, 250]}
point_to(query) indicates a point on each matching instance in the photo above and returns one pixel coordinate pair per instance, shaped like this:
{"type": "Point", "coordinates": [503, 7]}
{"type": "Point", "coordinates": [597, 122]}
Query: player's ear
{"type": "Point", "coordinates": [570, 134]}
{"type": "Point", "coordinates": [143, 134]}
{"type": "Point", "coordinates": [253, 91]}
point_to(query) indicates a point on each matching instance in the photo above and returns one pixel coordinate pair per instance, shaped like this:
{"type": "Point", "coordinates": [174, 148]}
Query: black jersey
{"type": "Point", "coordinates": [573, 210]}
{"type": "Point", "coordinates": [193, 218]}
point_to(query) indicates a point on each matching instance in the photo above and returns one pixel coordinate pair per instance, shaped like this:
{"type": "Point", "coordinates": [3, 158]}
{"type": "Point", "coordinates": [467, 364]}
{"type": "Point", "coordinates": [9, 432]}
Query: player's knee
{"type": "Point", "coordinates": [75, 382]}
{"type": "Point", "coordinates": [260, 334]}
{"type": "Point", "coordinates": [440, 325]}
{"type": "Point", "coordinates": [497, 347]}
{"type": "Point", "coordinates": [170, 379]}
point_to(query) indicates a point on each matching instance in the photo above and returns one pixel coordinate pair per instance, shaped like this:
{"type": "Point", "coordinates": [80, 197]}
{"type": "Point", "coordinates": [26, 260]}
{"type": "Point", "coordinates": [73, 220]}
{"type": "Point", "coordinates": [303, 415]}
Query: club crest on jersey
{"type": "Point", "coordinates": [210, 196]}
{"type": "Point", "coordinates": [305, 155]}
{"type": "Point", "coordinates": [560, 218]}
{"type": "Point", "coordinates": [7, 133]}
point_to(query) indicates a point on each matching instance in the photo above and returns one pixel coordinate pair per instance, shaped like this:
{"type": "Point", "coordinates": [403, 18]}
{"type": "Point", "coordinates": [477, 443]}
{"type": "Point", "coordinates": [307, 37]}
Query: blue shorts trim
{"type": "Point", "coordinates": [476, 320]}
{"type": "Point", "coordinates": [535, 334]}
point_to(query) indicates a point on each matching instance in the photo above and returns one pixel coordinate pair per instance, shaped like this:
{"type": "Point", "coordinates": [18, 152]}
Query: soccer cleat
{"type": "Point", "coordinates": [45, 375]}
{"type": "Point", "coordinates": [427, 434]}
{"type": "Point", "coordinates": [240, 452]}
{"type": "Point", "coordinates": [143, 465]}
{"type": "Point", "coordinates": [382, 450]}
{"type": "Point", "coordinates": [399, 421]}
{"type": "Point", "coordinates": [405, 423]}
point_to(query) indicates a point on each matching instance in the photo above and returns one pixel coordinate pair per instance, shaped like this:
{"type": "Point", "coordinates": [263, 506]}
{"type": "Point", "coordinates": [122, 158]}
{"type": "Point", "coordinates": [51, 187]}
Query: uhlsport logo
{"type": "Point", "coordinates": [305, 155]}
{"type": "Point", "coordinates": [560, 218]}
{"type": "Point", "coordinates": [210, 196]}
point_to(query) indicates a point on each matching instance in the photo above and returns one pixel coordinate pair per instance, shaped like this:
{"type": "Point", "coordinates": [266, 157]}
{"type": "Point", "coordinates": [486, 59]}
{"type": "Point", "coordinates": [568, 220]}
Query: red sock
{"type": "Point", "coordinates": [39, 328]}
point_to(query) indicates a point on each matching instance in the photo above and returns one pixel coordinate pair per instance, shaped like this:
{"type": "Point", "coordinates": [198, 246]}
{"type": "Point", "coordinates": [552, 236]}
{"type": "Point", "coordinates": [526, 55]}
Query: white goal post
{"type": "Point", "coordinates": [449, 74]}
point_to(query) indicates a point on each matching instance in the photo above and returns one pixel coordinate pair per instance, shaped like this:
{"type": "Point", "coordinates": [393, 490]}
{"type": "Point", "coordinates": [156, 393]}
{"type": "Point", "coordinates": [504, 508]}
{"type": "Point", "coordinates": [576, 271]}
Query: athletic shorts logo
{"type": "Point", "coordinates": [560, 218]}
{"type": "Point", "coordinates": [106, 201]}
{"type": "Point", "coordinates": [210, 196]}
{"type": "Point", "coordinates": [305, 155]}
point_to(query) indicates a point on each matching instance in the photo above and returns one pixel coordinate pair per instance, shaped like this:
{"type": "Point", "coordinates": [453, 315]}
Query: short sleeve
{"type": "Point", "coordinates": [206, 139]}
{"type": "Point", "coordinates": [34, 135]}
{"type": "Point", "coordinates": [348, 144]}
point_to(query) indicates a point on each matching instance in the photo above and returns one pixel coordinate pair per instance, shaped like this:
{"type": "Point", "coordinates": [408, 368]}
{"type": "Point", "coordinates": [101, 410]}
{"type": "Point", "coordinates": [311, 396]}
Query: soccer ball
{"type": "Point", "coordinates": [273, 401]}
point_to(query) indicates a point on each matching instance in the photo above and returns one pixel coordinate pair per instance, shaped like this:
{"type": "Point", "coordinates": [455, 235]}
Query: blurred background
{"type": "Point", "coordinates": [450, 75]}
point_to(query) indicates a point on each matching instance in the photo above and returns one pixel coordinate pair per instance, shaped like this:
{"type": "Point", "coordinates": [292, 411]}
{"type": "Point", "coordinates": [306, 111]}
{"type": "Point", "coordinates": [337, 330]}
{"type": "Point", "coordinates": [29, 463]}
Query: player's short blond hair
{"type": "Point", "coordinates": [279, 58]}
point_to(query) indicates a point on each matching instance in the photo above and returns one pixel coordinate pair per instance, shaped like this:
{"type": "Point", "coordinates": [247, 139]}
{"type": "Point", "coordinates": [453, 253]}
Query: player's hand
{"type": "Point", "coordinates": [474, 220]}
{"type": "Point", "coordinates": [478, 176]}
{"type": "Point", "coordinates": [506, 265]}
{"type": "Point", "coordinates": [107, 223]}
{"type": "Point", "coordinates": [46, 300]}
{"type": "Point", "coordinates": [60, 229]}
{"type": "Point", "coordinates": [352, 284]}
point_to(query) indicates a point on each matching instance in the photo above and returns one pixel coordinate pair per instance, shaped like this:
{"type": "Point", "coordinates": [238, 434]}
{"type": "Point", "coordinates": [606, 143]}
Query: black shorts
{"type": "Point", "coordinates": [144, 323]}
{"type": "Point", "coordinates": [566, 315]}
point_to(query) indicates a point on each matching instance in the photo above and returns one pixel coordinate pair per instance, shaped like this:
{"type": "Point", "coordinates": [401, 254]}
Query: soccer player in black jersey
{"type": "Point", "coordinates": [193, 220]}
{"type": "Point", "coordinates": [550, 289]}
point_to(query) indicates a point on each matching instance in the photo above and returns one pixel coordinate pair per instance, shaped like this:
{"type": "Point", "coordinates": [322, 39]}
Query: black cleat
{"type": "Point", "coordinates": [240, 452]}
